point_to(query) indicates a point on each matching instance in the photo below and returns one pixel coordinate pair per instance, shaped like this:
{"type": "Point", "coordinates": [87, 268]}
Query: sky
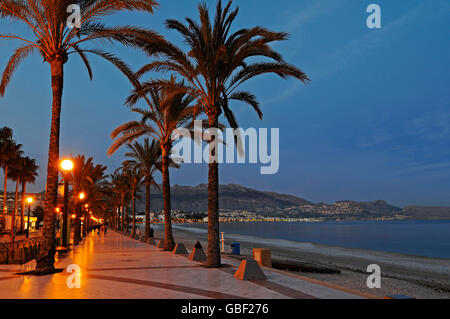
{"type": "Point", "coordinates": [374, 123]}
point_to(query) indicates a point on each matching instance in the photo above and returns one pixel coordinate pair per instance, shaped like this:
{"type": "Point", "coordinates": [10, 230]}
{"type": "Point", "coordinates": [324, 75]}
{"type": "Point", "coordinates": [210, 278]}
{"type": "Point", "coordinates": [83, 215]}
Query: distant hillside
{"type": "Point", "coordinates": [195, 198]}
{"type": "Point", "coordinates": [237, 197]}
{"type": "Point", "coordinates": [424, 212]}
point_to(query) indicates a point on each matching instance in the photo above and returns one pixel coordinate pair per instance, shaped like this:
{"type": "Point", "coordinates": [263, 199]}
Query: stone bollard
{"type": "Point", "coordinates": [197, 254]}
{"type": "Point", "coordinates": [263, 257]}
{"type": "Point", "coordinates": [180, 249]}
{"type": "Point", "coordinates": [249, 270]}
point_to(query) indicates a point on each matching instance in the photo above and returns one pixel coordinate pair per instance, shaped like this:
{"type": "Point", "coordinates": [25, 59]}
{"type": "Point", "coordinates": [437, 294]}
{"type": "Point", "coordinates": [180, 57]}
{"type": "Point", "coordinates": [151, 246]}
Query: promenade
{"type": "Point", "coordinates": [115, 266]}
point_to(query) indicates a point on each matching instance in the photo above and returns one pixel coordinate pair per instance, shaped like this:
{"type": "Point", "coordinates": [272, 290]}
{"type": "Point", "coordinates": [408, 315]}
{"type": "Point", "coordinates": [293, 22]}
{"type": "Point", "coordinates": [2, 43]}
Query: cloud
{"type": "Point", "coordinates": [342, 57]}
{"type": "Point", "coordinates": [315, 10]}
{"type": "Point", "coordinates": [432, 127]}
{"type": "Point", "coordinates": [424, 167]}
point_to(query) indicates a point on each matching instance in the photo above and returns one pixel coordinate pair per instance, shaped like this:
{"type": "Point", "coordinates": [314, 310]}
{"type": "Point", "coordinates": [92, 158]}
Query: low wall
{"type": "Point", "coordinates": [23, 251]}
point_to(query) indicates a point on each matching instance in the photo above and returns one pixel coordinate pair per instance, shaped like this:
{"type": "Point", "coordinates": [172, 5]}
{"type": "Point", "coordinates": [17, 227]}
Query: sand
{"type": "Point", "coordinates": [414, 276]}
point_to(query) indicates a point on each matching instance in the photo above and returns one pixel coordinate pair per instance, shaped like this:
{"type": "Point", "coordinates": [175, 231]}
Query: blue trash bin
{"type": "Point", "coordinates": [235, 248]}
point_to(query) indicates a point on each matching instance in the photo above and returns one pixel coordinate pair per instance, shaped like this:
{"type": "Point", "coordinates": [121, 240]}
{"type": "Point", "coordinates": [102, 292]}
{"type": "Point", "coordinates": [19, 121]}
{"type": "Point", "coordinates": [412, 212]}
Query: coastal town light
{"type": "Point", "coordinates": [29, 200]}
{"type": "Point", "coordinates": [81, 196]}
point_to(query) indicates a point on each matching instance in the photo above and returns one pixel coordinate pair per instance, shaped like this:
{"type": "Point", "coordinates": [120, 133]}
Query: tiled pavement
{"type": "Point", "coordinates": [115, 266]}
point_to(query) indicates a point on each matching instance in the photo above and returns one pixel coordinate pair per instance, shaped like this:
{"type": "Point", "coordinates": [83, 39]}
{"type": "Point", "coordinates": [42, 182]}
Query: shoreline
{"type": "Point", "coordinates": [416, 276]}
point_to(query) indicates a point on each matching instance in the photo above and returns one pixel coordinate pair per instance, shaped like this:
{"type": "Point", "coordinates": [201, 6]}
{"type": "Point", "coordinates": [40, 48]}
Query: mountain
{"type": "Point", "coordinates": [232, 197]}
{"type": "Point", "coordinates": [427, 212]}
{"type": "Point", "coordinates": [235, 197]}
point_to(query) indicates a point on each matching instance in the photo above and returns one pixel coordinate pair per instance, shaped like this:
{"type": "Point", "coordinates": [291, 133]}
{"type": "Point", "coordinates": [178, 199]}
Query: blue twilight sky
{"type": "Point", "coordinates": [373, 124]}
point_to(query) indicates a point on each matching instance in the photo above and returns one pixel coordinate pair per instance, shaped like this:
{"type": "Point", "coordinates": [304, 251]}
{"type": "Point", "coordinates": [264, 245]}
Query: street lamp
{"type": "Point", "coordinates": [66, 166]}
{"type": "Point", "coordinates": [77, 231]}
{"type": "Point", "coordinates": [85, 220]}
{"type": "Point", "coordinates": [29, 201]}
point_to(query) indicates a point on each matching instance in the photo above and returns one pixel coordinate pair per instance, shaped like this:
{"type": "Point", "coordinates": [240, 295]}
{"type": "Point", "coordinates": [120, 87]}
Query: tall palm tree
{"type": "Point", "coordinates": [146, 156]}
{"type": "Point", "coordinates": [168, 110]}
{"type": "Point", "coordinates": [95, 193]}
{"type": "Point", "coordinates": [84, 177]}
{"type": "Point", "coordinates": [14, 175]}
{"type": "Point", "coordinates": [113, 192]}
{"type": "Point", "coordinates": [9, 153]}
{"type": "Point", "coordinates": [216, 64]}
{"type": "Point", "coordinates": [56, 40]}
{"type": "Point", "coordinates": [134, 176]}
{"type": "Point", "coordinates": [120, 189]}
{"type": "Point", "coordinates": [28, 174]}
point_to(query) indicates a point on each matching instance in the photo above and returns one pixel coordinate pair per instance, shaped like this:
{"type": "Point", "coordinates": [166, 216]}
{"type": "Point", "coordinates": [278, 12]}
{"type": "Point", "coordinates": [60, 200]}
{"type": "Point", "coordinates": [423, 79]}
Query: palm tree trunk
{"type": "Point", "coordinates": [77, 230]}
{"type": "Point", "coordinates": [13, 221]}
{"type": "Point", "coordinates": [118, 218]}
{"type": "Point", "coordinates": [22, 208]}
{"type": "Point", "coordinates": [5, 194]}
{"type": "Point", "coordinates": [123, 218]}
{"type": "Point", "coordinates": [169, 243]}
{"type": "Point", "coordinates": [84, 229]}
{"type": "Point", "coordinates": [213, 259]}
{"type": "Point", "coordinates": [46, 259]}
{"type": "Point", "coordinates": [127, 220]}
{"type": "Point", "coordinates": [133, 232]}
{"type": "Point", "coordinates": [147, 211]}
{"type": "Point", "coordinates": [16, 199]}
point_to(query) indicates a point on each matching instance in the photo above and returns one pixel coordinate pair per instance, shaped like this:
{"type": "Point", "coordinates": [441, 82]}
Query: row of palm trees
{"type": "Point", "coordinates": [16, 167]}
{"type": "Point", "coordinates": [205, 75]}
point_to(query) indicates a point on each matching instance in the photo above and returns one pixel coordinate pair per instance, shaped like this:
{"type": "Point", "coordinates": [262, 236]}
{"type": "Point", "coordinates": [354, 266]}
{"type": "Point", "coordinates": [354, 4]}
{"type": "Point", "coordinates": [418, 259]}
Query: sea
{"type": "Point", "coordinates": [429, 238]}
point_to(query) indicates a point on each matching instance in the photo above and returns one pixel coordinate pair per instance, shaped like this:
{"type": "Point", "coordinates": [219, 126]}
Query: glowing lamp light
{"type": "Point", "coordinates": [73, 216]}
{"type": "Point", "coordinates": [81, 196]}
{"type": "Point", "coordinates": [67, 165]}
{"type": "Point", "coordinates": [57, 209]}
{"type": "Point", "coordinates": [29, 200]}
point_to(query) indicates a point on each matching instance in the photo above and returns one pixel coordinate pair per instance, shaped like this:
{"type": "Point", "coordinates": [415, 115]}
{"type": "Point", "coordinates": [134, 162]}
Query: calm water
{"type": "Point", "coordinates": [414, 237]}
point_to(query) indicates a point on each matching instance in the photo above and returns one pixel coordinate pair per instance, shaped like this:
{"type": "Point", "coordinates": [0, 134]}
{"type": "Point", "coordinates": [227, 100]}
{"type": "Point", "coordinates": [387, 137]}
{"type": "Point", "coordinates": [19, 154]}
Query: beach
{"type": "Point", "coordinates": [414, 276]}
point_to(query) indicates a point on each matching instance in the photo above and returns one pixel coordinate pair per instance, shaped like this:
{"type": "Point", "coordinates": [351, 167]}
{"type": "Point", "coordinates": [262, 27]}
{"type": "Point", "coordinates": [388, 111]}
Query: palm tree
{"type": "Point", "coordinates": [146, 156]}
{"type": "Point", "coordinates": [55, 40]}
{"type": "Point", "coordinates": [217, 63]}
{"type": "Point", "coordinates": [119, 189]}
{"type": "Point", "coordinates": [9, 153]}
{"type": "Point", "coordinates": [84, 178]}
{"type": "Point", "coordinates": [95, 194]}
{"type": "Point", "coordinates": [14, 175]}
{"type": "Point", "coordinates": [134, 176]}
{"type": "Point", "coordinates": [112, 190]}
{"type": "Point", "coordinates": [28, 174]}
{"type": "Point", "coordinates": [169, 109]}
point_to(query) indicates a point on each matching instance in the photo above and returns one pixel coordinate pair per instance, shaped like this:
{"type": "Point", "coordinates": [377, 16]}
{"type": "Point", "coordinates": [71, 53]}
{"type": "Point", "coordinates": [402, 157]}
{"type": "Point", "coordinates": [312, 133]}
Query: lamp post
{"type": "Point", "coordinates": [77, 222]}
{"type": "Point", "coordinates": [66, 166]}
{"type": "Point", "coordinates": [29, 201]}
{"type": "Point", "coordinates": [85, 220]}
